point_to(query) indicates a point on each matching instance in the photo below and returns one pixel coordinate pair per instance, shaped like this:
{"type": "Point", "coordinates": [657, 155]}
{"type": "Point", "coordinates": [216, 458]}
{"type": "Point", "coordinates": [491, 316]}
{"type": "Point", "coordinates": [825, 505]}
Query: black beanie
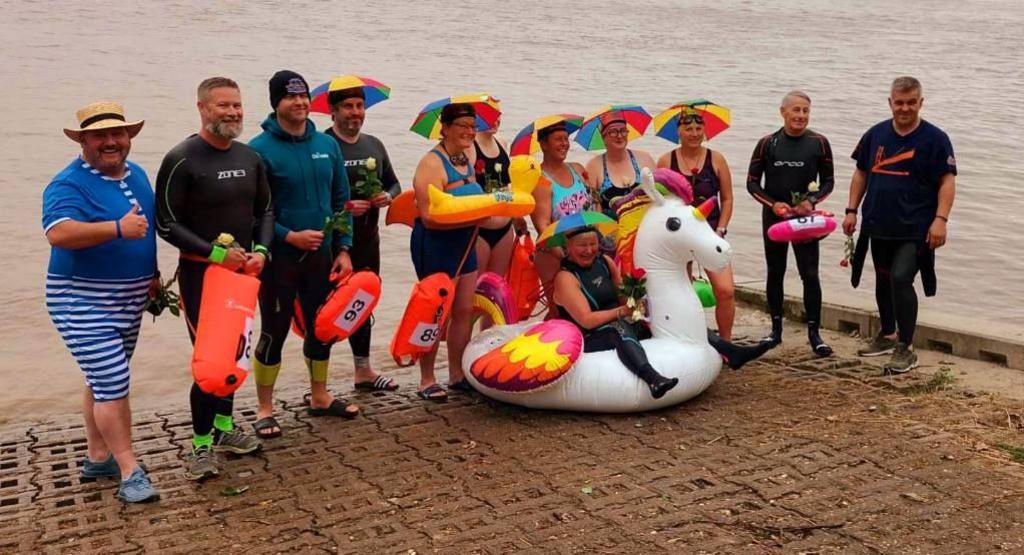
{"type": "Point", "coordinates": [284, 83]}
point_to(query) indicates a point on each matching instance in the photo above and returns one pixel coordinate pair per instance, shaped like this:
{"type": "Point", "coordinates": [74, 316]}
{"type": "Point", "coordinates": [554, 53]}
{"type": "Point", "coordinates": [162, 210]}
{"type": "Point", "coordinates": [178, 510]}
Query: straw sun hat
{"type": "Point", "coordinates": [102, 115]}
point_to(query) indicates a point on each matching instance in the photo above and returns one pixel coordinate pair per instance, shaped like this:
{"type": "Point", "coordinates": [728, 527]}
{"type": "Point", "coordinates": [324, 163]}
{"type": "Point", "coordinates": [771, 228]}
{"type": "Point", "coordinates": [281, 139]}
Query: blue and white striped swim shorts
{"type": "Point", "coordinates": [99, 321]}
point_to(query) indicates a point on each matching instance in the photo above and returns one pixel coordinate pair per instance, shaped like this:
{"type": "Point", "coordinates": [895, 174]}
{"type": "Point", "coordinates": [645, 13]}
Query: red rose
{"type": "Point", "coordinates": [349, 205]}
{"type": "Point", "coordinates": [638, 273]}
{"type": "Point", "coordinates": [479, 167]}
{"type": "Point", "coordinates": [844, 263]}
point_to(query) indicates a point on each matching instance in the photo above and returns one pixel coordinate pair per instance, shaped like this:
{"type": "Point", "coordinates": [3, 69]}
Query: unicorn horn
{"type": "Point", "coordinates": [708, 206]}
{"type": "Point", "coordinates": [647, 184]}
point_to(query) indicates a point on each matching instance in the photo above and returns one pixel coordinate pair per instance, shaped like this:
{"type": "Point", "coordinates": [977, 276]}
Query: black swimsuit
{"type": "Point", "coordinates": [494, 236]}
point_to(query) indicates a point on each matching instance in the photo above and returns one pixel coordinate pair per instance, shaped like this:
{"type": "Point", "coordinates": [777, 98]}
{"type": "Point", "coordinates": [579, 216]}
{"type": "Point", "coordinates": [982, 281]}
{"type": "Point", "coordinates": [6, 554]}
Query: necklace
{"type": "Point", "coordinates": [459, 158]}
{"type": "Point", "coordinates": [694, 170]}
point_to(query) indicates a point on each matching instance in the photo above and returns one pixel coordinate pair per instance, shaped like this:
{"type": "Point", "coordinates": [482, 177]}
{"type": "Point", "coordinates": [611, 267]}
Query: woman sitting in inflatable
{"type": "Point", "coordinates": [586, 293]}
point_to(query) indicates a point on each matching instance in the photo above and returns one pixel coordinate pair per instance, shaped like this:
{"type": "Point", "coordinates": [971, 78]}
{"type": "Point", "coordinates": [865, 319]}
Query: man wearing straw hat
{"type": "Point", "coordinates": [96, 216]}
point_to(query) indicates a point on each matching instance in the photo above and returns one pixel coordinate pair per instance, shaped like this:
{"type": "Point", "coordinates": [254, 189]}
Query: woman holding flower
{"type": "Point", "coordinates": [708, 173]}
{"type": "Point", "coordinates": [609, 309]}
{"type": "Point", "coordinates": [586, 293]}
{"type": "Point", "coordinates": [494, 245]}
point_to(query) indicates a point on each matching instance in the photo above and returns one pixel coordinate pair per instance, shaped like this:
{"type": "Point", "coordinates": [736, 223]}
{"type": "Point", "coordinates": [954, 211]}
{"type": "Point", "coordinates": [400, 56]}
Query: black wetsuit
{"type": "Point", "coordinates": [789, 164]}
{"type": "Point", "coordinates": [365, 250]}
{"type": "Point", "coordinates": [489, 165]}
{"type": "Point", "coordinates": [602, 294]}
{"type": "Point", "coordinates": [202, 192]}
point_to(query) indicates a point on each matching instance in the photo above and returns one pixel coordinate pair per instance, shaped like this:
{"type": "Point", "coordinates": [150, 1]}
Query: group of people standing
{"type": "Point", "coordinates": [260, 209]}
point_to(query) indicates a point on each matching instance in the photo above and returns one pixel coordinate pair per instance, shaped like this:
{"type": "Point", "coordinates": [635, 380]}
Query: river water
{"type": "Point", "coordinates": [539, 58]}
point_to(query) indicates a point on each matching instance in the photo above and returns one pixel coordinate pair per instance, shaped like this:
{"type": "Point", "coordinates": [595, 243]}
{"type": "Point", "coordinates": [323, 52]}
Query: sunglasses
{"type": "Point", "coordinates": [687, 119]}
{"type": "Point", "coordinates": [617, 132]}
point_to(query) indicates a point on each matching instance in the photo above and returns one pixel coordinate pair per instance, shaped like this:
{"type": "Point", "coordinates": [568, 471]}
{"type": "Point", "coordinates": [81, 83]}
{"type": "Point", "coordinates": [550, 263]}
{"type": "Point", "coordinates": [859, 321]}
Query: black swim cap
{"type": "Point", "coordinates": [335, 97]}
{"type": "Point", "coordinates": [452, 112]}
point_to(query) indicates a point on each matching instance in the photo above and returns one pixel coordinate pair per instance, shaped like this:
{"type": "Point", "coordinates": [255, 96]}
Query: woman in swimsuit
{"type": "Point", "coordinates": [448, 248]}
{"type": "Point", "coordinates": [617, 171]}
{"type": "Point", "coordinates": [494, 245]}
{"type": "Point", "coordinates": [587, 294]}
{"type": "Point", "coordinates": [709, 175]}
{"type": "Point", "coordinates": [568, 194]}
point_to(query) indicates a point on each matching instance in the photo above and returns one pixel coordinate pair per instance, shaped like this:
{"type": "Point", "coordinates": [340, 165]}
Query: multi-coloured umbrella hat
{"type": "Point", "coordinates": [428, 122]}
{"type": "Point", "coordinates": [526, 140]}
{"type": "Point", "coordinates": [716, 118]}
{"type": "Point", "coordinates": [637, 119]}
{"type": "Point", "coordinates": [375, 92]}
{"type": "Point", "coordinates": [556, 234]}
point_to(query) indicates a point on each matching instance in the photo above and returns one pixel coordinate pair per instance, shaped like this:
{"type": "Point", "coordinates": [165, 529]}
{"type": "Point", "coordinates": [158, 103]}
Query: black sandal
{"type": "Point", "coordinates": [262, 426]}
{"type": "Point", "coordinates": [382, 383]}
{"type": "Point", "coordinates": [337, 407]}
{"type": "Point", "coordinates": [462, 385]}
{"type": "Point", "coordinates": [433, 392]}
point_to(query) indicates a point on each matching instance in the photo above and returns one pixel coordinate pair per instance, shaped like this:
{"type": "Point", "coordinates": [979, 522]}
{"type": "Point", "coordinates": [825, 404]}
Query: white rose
{"type": "Point", "coordinates": [813, 187]}
{"type": "Point", "coordinates": [497, 168]}
{"type": "Point", "coordinates": [371, 164]}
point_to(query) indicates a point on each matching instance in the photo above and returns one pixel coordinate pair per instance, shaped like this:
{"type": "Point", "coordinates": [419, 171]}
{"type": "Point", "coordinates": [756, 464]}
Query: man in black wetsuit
{"type": "Point", "coordinates": [906, 175]}
{"type": "Point", "coordinates": [209, 185]}
{"type": "Point", "coordinates": [791, 159]}
{"type": "Point", "coordinates": [348, 110]}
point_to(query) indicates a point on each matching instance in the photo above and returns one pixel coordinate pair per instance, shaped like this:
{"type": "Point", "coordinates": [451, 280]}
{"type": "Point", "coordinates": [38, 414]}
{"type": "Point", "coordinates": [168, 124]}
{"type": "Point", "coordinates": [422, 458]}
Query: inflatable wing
{"type": "Point", "coordinates": [522, 277]}
{"type": "Point", "coordinates": [802, 228]}
{"type": "Point", "coordinates": [221, 358]}
{"type": "Point", "coordinates": [348, 306]}
{"type": "Point", "coordinates": [445, 208]}
{"type": "Point", "coordinates": [534, 360]}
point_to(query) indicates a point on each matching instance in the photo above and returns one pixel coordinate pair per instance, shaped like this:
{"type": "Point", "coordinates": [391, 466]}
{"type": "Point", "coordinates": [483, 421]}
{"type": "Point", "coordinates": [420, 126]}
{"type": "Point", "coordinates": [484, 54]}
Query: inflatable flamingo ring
{"type": "Point", "coordinates": [541, 365]}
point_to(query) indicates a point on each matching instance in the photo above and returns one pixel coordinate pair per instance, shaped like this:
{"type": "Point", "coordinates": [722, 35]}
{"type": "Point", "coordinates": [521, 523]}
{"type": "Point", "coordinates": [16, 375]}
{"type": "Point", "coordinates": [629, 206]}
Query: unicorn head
{"type": "Point", "coordinates": [672, 231]}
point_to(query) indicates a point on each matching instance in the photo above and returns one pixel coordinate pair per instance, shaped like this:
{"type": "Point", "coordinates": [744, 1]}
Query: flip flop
{"type": "Point", "coordinates": [462, 385]}
{"type": "Point", "coordinates": [262, 426]}
{"type": "Point", "coordinates": [338, 407]}
{"type": "Point", "coordinates": [433, 392]}
{"type": "Point", "coordinates": [382, 383]}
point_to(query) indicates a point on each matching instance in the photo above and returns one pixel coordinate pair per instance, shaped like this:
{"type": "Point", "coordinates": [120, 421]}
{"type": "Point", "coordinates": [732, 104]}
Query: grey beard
{"type": "Point", "coordinates": [222, 129]}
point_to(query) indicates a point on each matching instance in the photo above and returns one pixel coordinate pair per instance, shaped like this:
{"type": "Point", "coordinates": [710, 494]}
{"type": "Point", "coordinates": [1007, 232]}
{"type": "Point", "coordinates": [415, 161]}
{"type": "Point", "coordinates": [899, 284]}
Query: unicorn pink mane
{"type": "Point", "coordinates": [676, 183]}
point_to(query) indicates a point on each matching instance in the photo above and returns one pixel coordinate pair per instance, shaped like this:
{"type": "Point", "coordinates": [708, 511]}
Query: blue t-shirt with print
{"type": "Point", "coordinates": [903, 176]}
{"type": "Point", "coordinates": [83, 194]}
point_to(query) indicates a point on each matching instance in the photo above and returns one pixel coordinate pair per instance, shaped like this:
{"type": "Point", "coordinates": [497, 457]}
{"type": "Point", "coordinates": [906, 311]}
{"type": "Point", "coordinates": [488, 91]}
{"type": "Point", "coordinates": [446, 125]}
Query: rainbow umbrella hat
{"type": "Point", "coordinates": [637, 119]}
{"type": "Point", "coordinates": [428, 122]}
{"type": "Point", "coordinates": [555, 235]}
{"type": "Point", "coordinates": [375, 92]}
{"type": "Point", "coordinates": [716, 119]}
{"type": "Point", "coordinates": [526, 140]}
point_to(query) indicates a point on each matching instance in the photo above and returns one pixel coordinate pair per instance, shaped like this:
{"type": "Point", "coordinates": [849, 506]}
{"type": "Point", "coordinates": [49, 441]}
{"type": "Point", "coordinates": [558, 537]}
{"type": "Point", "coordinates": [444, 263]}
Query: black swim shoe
{"type": "Point", "coordinates": [661, 385]}
{"type": "Point", "coordinates": [818, 345]}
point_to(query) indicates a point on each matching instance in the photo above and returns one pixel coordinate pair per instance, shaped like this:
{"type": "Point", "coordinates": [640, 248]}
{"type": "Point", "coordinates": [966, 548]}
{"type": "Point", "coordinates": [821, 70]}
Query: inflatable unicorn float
{"type": "Point", "coordinates": [541, 365]}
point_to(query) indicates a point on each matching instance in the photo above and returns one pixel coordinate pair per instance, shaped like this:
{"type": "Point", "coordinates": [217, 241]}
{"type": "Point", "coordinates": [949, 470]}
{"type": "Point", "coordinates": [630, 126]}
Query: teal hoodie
{"type": "Point", "coordinates": [308, 181]}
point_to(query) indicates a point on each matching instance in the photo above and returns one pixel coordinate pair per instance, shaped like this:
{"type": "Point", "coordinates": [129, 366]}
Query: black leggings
{"type": "Point", "coordinates": [896, 265]}
{"type": "Point", "coordinates": [625, 339]}
{"type": "Point", "coordinates": [365, 256]}
{"type": "Point", "coordinates": [775, 256]}
{"type": "Point", "coordinates": [284, 280]}
{"type": "Point", "coordinates": [204, 405]}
